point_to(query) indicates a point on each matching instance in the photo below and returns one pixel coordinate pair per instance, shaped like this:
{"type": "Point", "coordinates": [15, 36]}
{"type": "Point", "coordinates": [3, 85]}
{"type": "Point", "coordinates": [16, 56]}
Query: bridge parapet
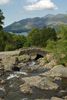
{"type": "Point", "coordinates": [30, 51]}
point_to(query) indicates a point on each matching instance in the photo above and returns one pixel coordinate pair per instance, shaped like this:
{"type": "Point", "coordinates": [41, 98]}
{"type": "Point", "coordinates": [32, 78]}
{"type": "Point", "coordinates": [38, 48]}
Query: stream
{"type": "Point", "coordinates": [10, 88]}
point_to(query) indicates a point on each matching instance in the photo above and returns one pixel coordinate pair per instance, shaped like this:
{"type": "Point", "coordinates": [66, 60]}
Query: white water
{"type": "Point", "coordinates": [2, 89]}
{"type": "Point", "coordinates": [11, 76]}
{"type": "Point", "coordinates": [20, 73]}
{"type": "Point", "coordinates": [32, 63]}
{"type": "Point", "coordinates": [16, 74]}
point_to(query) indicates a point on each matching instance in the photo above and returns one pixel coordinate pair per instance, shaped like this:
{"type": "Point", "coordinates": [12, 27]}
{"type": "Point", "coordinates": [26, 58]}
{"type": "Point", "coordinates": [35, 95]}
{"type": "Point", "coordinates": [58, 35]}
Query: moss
{"type": "Point", "coordinates": [23, 58]}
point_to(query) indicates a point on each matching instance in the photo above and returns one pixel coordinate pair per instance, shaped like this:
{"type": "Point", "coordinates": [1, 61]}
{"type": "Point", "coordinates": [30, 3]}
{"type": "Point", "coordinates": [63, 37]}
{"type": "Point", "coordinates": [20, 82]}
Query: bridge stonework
{"type": "Point", "coordinates": [31, 51]}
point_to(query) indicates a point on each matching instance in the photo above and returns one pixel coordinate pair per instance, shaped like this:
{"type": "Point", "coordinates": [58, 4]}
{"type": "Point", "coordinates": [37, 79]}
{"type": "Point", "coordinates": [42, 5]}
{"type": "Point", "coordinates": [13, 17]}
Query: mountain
{"type": "Point", "coordinates": [26, 25]}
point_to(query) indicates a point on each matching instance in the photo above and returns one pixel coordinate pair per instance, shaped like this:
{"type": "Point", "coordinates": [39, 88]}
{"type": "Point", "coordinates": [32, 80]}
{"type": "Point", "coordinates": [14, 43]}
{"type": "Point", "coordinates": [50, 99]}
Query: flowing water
{"type": "Point", "coordinates": [13, 80]}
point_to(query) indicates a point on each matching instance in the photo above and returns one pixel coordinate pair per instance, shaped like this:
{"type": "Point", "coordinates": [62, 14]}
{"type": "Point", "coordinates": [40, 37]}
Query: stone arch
{"type": "Point", "coordinates": [37, 51]}
{"type": "Point", "coordinates": [38, 56]}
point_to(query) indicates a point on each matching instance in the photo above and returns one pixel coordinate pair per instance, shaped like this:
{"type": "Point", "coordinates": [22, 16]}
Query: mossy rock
{"type": "Point", "coordinates": [23, 58]}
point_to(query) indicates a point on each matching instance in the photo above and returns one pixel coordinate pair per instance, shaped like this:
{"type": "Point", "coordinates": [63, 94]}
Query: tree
{"type": "Point", "coordinates": [39, 37]}
{"type": "Point", "coordinates": [1, 20]}
{"type": "Point", "coordinates": [18, 41]}
{"type": "Point", "coordinates": [34, 37]}
{"type": "Point", "coordinates": [63, 31]}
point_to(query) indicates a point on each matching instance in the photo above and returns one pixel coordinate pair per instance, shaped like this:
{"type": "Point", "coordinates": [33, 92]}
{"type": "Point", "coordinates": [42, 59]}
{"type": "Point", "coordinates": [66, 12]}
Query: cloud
{"type": "Point", "coordinates": [4, 2]}
{"type": "Point", "coordinates": [40, 5]}
{"type": "Point", "coordinates": [32, 1]}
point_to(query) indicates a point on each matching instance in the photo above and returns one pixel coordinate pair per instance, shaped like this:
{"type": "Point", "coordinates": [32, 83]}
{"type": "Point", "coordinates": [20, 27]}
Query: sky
{"type": "Point", "coordinates": [15, 10]}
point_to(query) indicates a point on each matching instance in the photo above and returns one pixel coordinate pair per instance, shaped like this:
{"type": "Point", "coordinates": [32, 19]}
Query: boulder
{"type": "Point", "coordinates": [42, 61]}
{"type": "Point", "coordinates": [2, 82]}
{"type": "Point", "coordinates": [65, 98]}
{"type": "Point", "coordinates": [13, 84]}
{"type": "Point", "coordinates": [47, 84]}
{"type": "Point", "coordinates": [8, 62]}
{"type": "Point", "coordinates": [57, 71]}
{"type": "Point", "coordinates": [62, 93]}
{"type": "Point", "coordinates": [51, 64]}
{"type": "Point", "coordinates": [1, 99]}
{"type": "Point", "coordinates": [41, 99]}
{"type": "Point", "coordinates": [41, 83]}
{"type": "Point", "coordinates": [25, 88]}
{"type": "Point", "coordinates": [33, 80]}
{"type": "Point", "coordinates": [49, 57]}
{"type": "Point", "coordinates": [21, 65]}
{"type": "Point", "coordinates": [2, 92]}
{"type": "Point", "coordinates": [56, 98]}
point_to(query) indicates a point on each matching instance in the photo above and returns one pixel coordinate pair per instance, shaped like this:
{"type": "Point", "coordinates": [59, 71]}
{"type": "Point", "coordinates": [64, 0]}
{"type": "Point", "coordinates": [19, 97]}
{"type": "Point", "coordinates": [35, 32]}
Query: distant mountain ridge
{"type": "Point", "coordinates": [26, 25]}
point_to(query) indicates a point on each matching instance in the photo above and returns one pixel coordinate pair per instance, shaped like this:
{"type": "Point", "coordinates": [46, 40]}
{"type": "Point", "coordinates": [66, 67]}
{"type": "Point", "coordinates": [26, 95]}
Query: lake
{"type": "Point", "coordinates": [23, 33]}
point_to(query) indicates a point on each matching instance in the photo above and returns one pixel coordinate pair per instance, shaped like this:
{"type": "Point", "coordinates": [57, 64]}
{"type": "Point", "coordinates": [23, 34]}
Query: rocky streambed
{"type": "Point", "coordinates": [25, 78]}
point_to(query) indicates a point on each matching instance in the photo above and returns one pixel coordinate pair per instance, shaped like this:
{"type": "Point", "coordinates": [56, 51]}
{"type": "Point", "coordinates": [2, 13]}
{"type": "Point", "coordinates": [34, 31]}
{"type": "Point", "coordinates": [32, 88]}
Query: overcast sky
{"type": "Point", "coordinates": [15, 10]}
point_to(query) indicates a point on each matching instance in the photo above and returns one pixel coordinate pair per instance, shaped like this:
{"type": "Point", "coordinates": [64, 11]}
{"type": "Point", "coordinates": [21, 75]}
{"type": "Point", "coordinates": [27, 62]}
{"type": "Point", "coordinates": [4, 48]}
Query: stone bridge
{"type": "Point", "coordinates": [33, 51]}
{"type": "Point", "coordinates": [30, 51]}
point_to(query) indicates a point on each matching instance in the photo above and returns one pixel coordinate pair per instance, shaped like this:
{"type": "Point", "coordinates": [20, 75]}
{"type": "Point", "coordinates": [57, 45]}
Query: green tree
{"type": "Point", "coordinates": [40, 37]}
{"type": "Point", "coordinates": [1, 20]}
{"type": "Point", "coordinates": [62, 32]}
{"type": "Point", "coordinates": [34, 37]}
{"type": "Point", "coordinates": [19, 41]}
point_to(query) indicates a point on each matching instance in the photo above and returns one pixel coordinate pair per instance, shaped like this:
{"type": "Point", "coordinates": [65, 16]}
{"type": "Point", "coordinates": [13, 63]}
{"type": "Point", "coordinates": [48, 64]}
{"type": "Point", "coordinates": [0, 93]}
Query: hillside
{"type": "Point", "coordinates": [26, 25]}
